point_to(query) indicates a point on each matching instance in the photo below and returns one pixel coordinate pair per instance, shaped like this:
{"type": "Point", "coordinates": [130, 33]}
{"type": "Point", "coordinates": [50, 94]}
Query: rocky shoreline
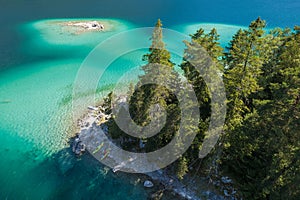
{"type": "Point", "coordinates": [80, 26]}
{"type": "Point", "coordinates": [94, 121]}
{"type": "Point", "coordinates": [88, 25]}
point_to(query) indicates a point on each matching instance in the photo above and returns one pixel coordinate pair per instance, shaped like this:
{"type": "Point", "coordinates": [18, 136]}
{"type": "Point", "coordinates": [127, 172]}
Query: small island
{"type": "Point", "coordinates": [74, 31]}
{"type": "Point", "coordinates": [86, 25]}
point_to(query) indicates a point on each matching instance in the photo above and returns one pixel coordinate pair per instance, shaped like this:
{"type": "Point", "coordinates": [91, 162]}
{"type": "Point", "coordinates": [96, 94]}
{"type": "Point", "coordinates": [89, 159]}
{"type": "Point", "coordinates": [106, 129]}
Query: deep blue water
{"type": "Point", "coordinates": [284, 13]}
{"type": "Point", "coordinates": [278, 13]}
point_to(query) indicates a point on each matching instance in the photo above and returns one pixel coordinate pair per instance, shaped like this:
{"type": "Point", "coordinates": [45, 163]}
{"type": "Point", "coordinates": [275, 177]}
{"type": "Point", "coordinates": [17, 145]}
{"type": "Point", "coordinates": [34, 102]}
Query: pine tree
{"type": "Point", "coordinates": [181, 167]}
{"type": "Point", "coordinates": [158, 52]}
{"type": "Point", "coordinates": [263, 151]}
{"type": "Point", "coordinates": [284, 113]}
{"type": "Point", "coordinates": [262, 132]}
{"type": "Point", "coordinates": [208, 43]}
{"type": "Point", "coordinates": [199, 51]}
{"type": "Point", "coordinates": [243, 69]}
{"type": "Point", "coordinates": [158, 70]}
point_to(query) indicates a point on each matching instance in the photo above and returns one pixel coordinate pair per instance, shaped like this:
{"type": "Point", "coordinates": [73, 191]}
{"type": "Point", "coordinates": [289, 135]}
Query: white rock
{"type": "Point", "coordinates": [226, 180]}
{"type": "Point", "coordinates": [92, 108]}
{"type": "Point", "coordinates": [226, 193]}
{"type": "Point", "coordinates": [148, 184]}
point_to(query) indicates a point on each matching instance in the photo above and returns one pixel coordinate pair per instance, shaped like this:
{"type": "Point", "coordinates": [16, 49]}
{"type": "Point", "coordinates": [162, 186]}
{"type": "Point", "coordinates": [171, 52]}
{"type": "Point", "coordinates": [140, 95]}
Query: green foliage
{"type": "Point", "coordinates": [260, 147]}
{"type": "Point", "coordinates": [244, 63]}
{"type": "Point", "coordinates": [158, 53]}
{"type": "Point", "coordinates": [159, 70]}
{"type": "Point", "coordinates": [181, 167]}
{"type": "Point", "coordinates": [201, 42]}
{"type": "Point", "coordinates": [107, 103]}
{"type": "Point", "coordinates": [201, 50]}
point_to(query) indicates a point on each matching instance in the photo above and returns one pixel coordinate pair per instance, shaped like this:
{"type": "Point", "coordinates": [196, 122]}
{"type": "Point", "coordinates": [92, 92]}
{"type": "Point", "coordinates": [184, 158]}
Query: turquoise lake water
{"type": "Point", "coordinates": [39, 64]}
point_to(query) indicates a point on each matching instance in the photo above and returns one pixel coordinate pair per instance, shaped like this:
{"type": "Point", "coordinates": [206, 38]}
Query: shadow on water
{"type": "Point", "coordinates": [84, 178]}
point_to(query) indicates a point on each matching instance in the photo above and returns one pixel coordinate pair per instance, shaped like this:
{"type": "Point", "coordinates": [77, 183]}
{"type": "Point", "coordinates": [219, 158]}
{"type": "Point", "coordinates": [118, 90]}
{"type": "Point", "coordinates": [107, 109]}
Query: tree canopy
{"type": "Point", "coordinates": [260, 145]}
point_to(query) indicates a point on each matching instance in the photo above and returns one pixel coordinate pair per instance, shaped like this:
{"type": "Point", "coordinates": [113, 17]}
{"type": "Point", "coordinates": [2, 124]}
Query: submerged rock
{"type": "Point", "coordinates": [65, 160]}
{"type": "Point", "coordinates": [78, 147]}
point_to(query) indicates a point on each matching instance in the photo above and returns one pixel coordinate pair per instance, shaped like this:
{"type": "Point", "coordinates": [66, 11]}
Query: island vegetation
{"type": "Point", "coordinates": [259, 148]}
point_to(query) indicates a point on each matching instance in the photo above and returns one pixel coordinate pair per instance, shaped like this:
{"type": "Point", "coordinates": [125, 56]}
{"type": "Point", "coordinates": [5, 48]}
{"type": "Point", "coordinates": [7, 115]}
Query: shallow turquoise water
{"type": "Point", "coordinates": [35, 98]}
{"type": "Point", "coordinates": [36, 118]}
{"type": "Point", "coordinates": [224, 30]}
